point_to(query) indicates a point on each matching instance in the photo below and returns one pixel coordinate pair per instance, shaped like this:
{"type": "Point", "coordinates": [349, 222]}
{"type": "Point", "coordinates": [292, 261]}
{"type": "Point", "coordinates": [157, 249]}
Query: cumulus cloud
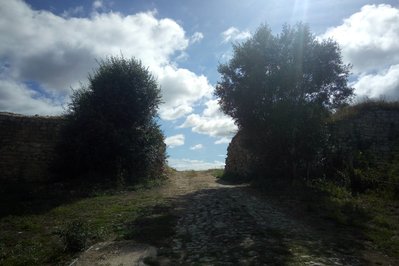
{"type": "Point", "coordinates": [172, 113]}
{"type": "Point", "coordinates": [234, 34]}
{"type": "Point", "coordinates": [196, 37]}
{"type": "Point", "coordinates": [196, 147]}
{"type": "Point", "coordinates": [211, 122]}
{"type": "Point", "coordinates": [18, 98]}
{"type": "Point", "coordinates": [369, 38]}
{"type": "Point", "coordinates": [74, 11]}
{"type": "Point", "coordinates": [66, 48]}
{"type": "Point", "coordinates": [369, 41]}
{"type": "Point", "coordinates": [187, 164]}
{"type": "Point", "coordinates": [223, 140]}
{"type": "Point", "coordinates": [181, 88]}
{"type": "Point", "coordinates": [97, 4]}
{"type": "Point", "coordinates": [174, 141]}
{"type": "Point", "coordinates": [58, 52]}
{"type": "Point", "coordinates": [383, 84]}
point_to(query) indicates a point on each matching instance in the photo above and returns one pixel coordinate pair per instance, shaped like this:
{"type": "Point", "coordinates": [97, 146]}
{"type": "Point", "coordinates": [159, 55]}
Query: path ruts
{"type": "Point", "coordinates": [228, 225]}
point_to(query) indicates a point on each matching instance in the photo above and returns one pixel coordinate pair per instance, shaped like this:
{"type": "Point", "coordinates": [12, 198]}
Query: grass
{"type": "Point", "coordinates": [34, 239]}
{"type": "Point", "coordinates": [371, 215]}
{"type": "Point", "coordinates": [227, 178]}
{"type": "Point", "coordinates": [376, 217]}
{"type": "Point", "coordinates": [364, 106]}
{"type": "Point", "coordinates": [383, 229]}
{"type": "Point", "coordinates": [218, 173]}
{"type": "Point", "coordinates": [191, 173]}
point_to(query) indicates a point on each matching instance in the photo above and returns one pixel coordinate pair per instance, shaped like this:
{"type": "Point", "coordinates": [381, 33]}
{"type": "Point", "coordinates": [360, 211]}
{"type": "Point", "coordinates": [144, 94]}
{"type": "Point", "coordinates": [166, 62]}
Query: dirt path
{"type": "Point", "coordinates": [228, 225]}
{"type": "Point", "coordinates": [216, 224]}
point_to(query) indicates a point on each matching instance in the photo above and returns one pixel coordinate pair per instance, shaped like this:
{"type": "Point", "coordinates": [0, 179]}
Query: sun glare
{"type": "Point", "coordinates": [300, 11]}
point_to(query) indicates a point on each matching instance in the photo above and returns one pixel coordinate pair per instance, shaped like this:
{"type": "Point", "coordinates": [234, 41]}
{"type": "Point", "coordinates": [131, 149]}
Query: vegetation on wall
{"type": "Point", "coordinates": [111, 130]}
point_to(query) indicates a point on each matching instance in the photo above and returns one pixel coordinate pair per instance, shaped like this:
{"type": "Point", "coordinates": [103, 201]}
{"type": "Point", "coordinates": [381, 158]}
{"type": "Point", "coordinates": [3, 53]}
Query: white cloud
{"type": "Point", "coordinates": [196, 147]}
{"type": "Point", "coordinates": [97, 4]}
{"type": "Point", "coordinates": [173, 113]}
{"type": "Point", "coordinates": [212, 122]}
{"type": "Point", "coordinates": [181, 89]}
{"type": "Point", "coordinates": [183, 56]}
{"type": "Point", "coordinates": [223, 140]}
{"type": "Point", "coordinates": [58, 52]}
{"type": "Point", "coordinates": [176, 140]}
{"type": "Point", "coordinates": [187, 164]}
{"type": "Point", "coordinates": [383, 84]}
{"type": "Point", "coordinates": [73, 11]}
{"type": "Point", "coordinates": [196, 37]}
{"type": "Point", "coordinates": [369, 38]}
{"type": "Point", "coordinates": [234, 34]}
{"type": "Point", "coordinates": [18, 98]}
{"type": "Point", "coordinates": [369, 41]}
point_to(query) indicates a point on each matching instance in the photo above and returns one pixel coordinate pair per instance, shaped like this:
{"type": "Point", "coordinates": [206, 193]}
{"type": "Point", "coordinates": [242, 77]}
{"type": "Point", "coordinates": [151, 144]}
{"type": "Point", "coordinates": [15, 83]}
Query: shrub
{"type": "Point", "coordinates": [280, 89]}
{"type": "Point", "coordinates": [74, 235]}
{"type": "Point", "coordinates": [111, 131]}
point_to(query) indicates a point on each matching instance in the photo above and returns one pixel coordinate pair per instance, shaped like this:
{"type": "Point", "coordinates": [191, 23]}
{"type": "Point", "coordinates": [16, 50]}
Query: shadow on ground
{"type": "Point", "coordinates": [32, 198]}
{"type": "Point", "coordinates": [229, 226]}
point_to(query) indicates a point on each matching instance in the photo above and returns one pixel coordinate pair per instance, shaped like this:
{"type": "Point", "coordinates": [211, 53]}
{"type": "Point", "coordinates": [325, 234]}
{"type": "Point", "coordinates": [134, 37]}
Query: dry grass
{"type": "Point", "coordinates": [364, 106]}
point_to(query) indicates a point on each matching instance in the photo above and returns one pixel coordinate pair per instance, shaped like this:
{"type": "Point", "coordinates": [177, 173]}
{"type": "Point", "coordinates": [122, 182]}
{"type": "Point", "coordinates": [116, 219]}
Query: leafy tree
{"type": "Point", "coordinates": [279, 89]}
{"type": "Point", "coordinates": [111, 130]}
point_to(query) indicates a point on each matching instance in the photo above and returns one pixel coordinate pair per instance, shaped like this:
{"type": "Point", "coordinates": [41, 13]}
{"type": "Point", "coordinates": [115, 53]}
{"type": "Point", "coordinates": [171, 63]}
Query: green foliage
{"type": "Point", "coordinates": [111, 130]}
{"type": "Point", "coordinates": [218, 173]}
{"type": "Point", "coordinates": [234, 178]}
{"type": "Point", "coordinates": [375, 216]}
{"type": "Point", "coordinates": [280, 89]}
{"type": "Point", "coordinates": [362, 172]}
{"type": "Point", "coordinates": [74, 235]}
{"type": "Point", "coordinates": [351, 161]}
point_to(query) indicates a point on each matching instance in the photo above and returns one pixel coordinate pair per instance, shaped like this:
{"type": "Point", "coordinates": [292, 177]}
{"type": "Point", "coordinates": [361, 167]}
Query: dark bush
{"type": "Point", "coordinates": [74, 235]}
{"type": "Point", "coordinates": [111, 131]}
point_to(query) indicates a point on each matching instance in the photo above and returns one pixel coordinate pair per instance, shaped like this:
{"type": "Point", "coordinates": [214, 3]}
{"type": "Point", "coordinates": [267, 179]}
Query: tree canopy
{"type": "Point", "coordinates": [279, 89]}
{"type": "Point", "coordinates": [111, 130]}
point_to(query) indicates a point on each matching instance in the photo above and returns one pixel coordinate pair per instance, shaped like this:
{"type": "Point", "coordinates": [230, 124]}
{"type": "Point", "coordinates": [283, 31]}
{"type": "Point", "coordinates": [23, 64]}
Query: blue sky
{"type": "Point", "coordinates": [47, 47]}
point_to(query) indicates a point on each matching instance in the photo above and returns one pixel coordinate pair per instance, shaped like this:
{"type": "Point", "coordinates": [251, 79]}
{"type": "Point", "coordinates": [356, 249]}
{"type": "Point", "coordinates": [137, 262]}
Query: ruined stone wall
{"type": "Point", "coordinates": [374, 130]}
{"type": "Point", "coordinates": [27, 147]}
{"type": "Point", "coordinates": [239, 159]}
{"type": "Point", "coordinates": [371, 129]}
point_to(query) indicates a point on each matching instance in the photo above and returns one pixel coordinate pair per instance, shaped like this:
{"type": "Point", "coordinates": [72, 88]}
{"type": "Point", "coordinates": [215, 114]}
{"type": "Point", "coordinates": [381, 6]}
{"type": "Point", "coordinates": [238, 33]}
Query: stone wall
{"type": "Point", "coordinates": [371, 128]}
{"type": "Point", "coordinates": [374, 129]}
{"type": "Point", "coordinates": [27, 147]}
{"type": "Point", "coordinates": [239, 159]}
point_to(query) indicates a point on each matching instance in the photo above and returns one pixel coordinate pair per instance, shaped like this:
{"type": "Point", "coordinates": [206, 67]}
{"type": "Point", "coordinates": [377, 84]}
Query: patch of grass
{"type": "Point", "coordinates": [376, 217]}
{"type": "Point", "coordinates": [74, 235]}
{"type": "Point", "coordinates": [191, 173]}
{"type": "Point", "coordinates": [364, 106]}
{"type": "Point", "coordinates": [233, 178]}
{"type": "Point", "coordinates": [218, 173]}
{"type": "Point", "coordinates": [34, 239]}
{"type": "Point", "coordinates": [383, 229]}
{"type": "Point", "coordinates": [369, 215]}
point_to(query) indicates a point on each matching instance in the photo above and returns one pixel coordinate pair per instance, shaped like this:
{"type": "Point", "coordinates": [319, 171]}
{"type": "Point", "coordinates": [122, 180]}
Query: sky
{"type": "Point", "coordinates": [49, 47]}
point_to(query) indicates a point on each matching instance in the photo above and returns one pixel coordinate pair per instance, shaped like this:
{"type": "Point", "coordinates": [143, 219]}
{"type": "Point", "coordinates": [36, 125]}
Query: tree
{"type": "Point", "coordinates": [111, 130]}
{"type": "Point", "coordinates": [280, 89]}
